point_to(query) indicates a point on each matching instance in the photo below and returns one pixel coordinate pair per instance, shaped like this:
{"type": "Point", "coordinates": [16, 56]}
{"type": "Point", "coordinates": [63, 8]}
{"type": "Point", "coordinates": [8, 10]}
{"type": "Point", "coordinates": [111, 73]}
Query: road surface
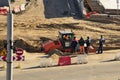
{"type": "Point", "coordinates": [100, 71]}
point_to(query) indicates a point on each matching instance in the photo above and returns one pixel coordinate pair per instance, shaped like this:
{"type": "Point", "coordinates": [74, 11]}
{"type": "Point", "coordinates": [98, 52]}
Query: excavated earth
{"type": "Point", "coordinates": [31, 28]}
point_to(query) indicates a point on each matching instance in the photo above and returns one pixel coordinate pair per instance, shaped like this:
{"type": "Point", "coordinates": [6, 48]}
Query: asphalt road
{"type": "Point", "coordinates": [100, 71]}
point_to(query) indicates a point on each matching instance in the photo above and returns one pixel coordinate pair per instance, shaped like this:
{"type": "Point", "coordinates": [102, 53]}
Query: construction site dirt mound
{"type": "Point", "coordinates": [30, 37]}
{"type": "Point", "coordinates": [31, 28]}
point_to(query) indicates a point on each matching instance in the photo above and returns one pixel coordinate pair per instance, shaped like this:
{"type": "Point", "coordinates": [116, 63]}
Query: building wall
{"type": "Point", "coordinates": [3, 3]}
{"type": "Point", "coordinates": [63, 8]}
{"type": "Point", "coordinates": [110, 4]}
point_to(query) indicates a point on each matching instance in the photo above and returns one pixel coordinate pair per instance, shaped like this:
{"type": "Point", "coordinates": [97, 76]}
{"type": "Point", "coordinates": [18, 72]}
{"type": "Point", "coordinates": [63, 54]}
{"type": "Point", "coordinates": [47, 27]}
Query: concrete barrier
{"type": "Point", "coordinates": [46, 62]}
{"type": "Point", "coordinates": [117, 57]}
{"type": "Point", "coordinates": [82, 59]}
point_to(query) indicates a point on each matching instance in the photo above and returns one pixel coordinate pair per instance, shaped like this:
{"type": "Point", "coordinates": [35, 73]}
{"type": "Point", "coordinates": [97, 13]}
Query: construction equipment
{"type": "Point", "coordinates": [61, 46]}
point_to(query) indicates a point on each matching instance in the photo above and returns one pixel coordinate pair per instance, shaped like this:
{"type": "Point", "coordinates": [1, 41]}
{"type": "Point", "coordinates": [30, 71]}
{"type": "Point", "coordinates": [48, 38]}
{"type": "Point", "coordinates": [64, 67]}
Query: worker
{"type": "Point", "coordinates": [88, 42]}
{"type": "Point", "coordinates": [73, 45]}
{"type": "Point", "coordinates": [81, 43]}
{"type": "Point", "coordinates": [65, 37]}
{"type": "Point", "coordinates": [101, 42]}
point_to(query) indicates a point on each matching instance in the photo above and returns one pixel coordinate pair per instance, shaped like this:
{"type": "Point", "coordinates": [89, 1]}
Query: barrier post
{"type": "Point", "coordinates": [18, 66]}
{"type": "Point", "coordinates": [3, 67]}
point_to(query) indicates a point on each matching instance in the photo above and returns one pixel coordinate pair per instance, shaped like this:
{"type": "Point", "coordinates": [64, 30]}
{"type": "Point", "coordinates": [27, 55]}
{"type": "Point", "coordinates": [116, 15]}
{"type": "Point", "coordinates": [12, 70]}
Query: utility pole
{"type": "Point", "coordinates": [9, 43]}
{"type": "Point", "coordinates": [117, 1]}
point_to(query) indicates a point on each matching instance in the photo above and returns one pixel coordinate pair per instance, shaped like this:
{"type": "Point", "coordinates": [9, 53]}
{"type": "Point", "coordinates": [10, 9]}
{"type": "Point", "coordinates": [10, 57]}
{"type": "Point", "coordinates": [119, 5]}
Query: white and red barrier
{"type": "Point", "coordinates": [15, 58]}
{"type": "Point", "coordinates": [18, 57]}
{"type": "Point", "coordinates": [64, 60]}
{"type": "Point", "coordinates": [4, 10]}
{"type": "Point", "coordinates": [2, 58]}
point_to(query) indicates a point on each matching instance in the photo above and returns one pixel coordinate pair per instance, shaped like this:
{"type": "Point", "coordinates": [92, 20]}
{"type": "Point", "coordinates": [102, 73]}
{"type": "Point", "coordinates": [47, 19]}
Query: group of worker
{"type": "Point", "coordinates": [84, 45]}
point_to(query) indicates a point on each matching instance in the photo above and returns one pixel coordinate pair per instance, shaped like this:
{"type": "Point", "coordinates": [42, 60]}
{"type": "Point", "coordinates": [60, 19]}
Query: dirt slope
{"type": "Point", "coordinates": [31, 25]}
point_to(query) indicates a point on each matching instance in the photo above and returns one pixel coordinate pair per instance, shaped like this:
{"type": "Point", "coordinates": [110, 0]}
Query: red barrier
{"type": "Point", "coordinates": [3, 11]}
{"type": "Point", "coordinates": [64, 60]}
{"type": "Point", "coordinates": [92, 49]}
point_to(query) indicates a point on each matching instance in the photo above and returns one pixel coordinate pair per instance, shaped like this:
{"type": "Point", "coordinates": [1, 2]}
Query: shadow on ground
{"type": "Point", "coordinates": [111, 60]}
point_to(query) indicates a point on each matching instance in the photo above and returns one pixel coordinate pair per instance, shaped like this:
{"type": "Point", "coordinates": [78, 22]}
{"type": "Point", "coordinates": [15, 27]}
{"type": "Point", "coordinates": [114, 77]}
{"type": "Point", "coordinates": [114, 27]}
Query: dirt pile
{"type": "Point", "coordinates": [30, 37]}
{"type": "Point", "coordinates": [31, 28]}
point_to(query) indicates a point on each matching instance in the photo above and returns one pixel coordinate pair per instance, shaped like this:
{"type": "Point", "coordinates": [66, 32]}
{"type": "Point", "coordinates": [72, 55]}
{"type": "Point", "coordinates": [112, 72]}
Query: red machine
{"type": "Point", "coordinates": [61, 46]}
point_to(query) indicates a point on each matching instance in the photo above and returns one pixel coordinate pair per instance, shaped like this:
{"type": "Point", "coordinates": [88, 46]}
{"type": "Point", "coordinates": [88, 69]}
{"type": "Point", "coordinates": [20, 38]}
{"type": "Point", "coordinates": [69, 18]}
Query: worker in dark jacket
{"type": "Point", "coordinates": [73, 44]}
{"type": "Point", "coordinates": [88, 42]}
{"type": "Point", "coordinates": [81, 43]}
{"type": "Point", "coordinates": [101, 42]}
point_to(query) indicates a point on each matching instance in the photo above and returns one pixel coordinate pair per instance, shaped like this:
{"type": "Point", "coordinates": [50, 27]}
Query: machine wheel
{"type": "Point", "coordinates": [55, 51]}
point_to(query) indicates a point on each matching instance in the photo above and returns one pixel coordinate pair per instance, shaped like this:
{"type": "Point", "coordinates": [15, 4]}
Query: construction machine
{"type": "Point", "coordinates": [60, 46]}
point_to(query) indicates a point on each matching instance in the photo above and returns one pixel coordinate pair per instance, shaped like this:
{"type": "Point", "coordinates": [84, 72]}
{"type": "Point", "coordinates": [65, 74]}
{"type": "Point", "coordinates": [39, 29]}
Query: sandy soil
{"type": "Point", "coordinates": [32, 33]}
{"type": "Point", "coordinates": [32, 60]}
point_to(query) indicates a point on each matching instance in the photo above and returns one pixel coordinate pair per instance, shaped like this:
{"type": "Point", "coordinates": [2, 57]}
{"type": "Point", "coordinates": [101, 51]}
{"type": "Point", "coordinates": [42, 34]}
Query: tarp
{"type": "Point", "coordinates": [111, 4]}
